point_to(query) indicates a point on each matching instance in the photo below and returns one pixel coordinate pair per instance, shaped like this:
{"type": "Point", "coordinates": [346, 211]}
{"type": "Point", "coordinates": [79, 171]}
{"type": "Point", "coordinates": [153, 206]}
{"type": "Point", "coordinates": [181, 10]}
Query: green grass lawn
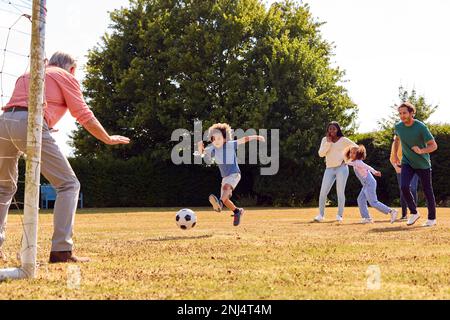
{"type": "Point", "coordinates": [274, 254]}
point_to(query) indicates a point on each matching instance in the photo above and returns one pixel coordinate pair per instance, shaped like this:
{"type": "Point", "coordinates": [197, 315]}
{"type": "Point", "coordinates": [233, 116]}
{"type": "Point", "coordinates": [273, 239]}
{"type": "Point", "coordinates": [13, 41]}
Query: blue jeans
{"type": "Point", "coordinates": [340, 175]}
{"type": "Point", "coordinates": [425, 179]}
{"type": "Point", "coordinates": [414, 186]}
{"type": "Point", "coordinates": [369, 194]}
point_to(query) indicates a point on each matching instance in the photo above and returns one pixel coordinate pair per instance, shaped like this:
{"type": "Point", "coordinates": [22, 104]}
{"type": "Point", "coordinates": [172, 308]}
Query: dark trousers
{"type": "Point", "coordinates": [413, 186]}
{"type": "Point", "coordinates": [425, 179]}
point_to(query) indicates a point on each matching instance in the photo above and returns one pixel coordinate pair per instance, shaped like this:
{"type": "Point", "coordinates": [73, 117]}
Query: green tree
{"type": "Point", "coordinates": [423, 113]}
{"type": "Point", "coordinates": [167, 63]}
{"type": "Point", "coordinates": [384, 136]}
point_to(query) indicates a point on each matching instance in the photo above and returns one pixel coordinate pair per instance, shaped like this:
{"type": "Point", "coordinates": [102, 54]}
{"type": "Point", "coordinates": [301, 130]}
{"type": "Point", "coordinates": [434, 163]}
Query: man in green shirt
{"type": "Point", "coordinates": [417, 144]}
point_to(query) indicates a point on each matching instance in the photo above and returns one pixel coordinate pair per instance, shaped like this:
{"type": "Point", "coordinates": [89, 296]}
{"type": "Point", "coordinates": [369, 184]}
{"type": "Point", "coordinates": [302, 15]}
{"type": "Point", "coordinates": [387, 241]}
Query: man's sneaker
{"type": "Point", "coordinates": [404, 218]}
{"type": "Point", "coordinates": [412, 219]}
{"type": "Point", "coordinates": [339, 218]}
{"type": "Point", "coordinates": [429, 223]}
{"type": "Point", "coordinates": [215, 203]}
{"type": "Point", "coordinates": [237, 217]}
{"type": "Point", "coordinates": [366, 220]}
{"type": "Point", "coordinates": [393, 214]}
{"type": "Point", "coordinates": [319, 218]}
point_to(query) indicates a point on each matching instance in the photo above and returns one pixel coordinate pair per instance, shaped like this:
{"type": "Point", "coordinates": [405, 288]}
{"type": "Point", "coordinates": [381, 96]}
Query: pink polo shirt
{"type": "Point", "coordinates": [62, 93]}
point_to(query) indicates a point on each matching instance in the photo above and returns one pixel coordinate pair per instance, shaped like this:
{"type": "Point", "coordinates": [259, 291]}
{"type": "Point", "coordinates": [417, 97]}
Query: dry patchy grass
{"type": "Point", "coordinates": [274, 254]}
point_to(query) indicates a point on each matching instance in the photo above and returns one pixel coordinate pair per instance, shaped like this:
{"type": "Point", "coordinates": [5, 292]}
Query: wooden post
{"type": "Point", "coordinates": [34, 139]}
{"type": "Point", "coordinates": [28, 254]}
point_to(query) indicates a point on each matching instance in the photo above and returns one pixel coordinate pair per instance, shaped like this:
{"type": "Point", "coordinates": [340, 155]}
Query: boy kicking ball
{"type": "Point", "coordinates": [223, 150]}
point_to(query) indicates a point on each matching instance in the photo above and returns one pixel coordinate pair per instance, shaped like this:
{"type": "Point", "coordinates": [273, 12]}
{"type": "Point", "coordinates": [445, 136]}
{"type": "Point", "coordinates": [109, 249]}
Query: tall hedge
{"type": "Point", "coordinates": [139, 181]}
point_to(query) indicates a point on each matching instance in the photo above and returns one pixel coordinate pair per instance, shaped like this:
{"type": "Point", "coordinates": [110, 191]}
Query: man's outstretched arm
{"type": "Point", "coordinates": [95, 128]}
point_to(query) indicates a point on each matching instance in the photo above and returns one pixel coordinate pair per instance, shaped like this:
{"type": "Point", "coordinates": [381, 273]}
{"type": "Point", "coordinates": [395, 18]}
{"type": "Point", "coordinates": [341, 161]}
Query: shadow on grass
{"type": "Point", "coordinates": [178, 238]}
{"type": "Point", "coordinates": [143, 210]}
{"type": "Point", "coordinates": [343, 224]}
{"type": "Point", "coordinates": [395, 229]}
{"type": "Point", "coordinates": [315, 222]}
{"type": "Point", "coordinates": [375, 222]}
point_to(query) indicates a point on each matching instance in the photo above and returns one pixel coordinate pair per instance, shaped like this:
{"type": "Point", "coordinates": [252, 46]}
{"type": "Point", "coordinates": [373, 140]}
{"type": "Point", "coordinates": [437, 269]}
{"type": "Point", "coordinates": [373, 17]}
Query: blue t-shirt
{"type": "Point", "coordinates": [225, 158]}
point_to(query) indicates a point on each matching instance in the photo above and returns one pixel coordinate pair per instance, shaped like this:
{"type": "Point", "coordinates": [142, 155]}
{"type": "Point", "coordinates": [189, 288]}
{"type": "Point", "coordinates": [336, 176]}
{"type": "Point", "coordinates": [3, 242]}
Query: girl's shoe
{"type": "Point", "coordinates": [366, 220]}
{"type": "Point", "coordinates": [393, 214]}
{"type": "Point", "coordinates": [339, 219]}
{"type": "Point", "coordinates": [319, 218]}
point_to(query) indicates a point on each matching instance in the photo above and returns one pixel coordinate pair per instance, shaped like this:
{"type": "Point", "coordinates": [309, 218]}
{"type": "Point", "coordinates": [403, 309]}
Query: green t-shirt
{"type": "Point", "coordinates": [415, 135]}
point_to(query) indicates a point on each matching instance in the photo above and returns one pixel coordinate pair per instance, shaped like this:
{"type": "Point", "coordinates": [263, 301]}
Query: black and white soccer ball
{"type": "Point", "coordinates": [186, 219]}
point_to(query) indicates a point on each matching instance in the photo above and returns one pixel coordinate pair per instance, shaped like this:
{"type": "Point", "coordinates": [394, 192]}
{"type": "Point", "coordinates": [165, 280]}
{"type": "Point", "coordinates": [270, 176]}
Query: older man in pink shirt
{"type": "Point", "coordinates": [62, 93]}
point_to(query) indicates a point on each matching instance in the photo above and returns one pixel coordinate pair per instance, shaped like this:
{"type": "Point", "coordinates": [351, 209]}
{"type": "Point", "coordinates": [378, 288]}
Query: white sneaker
{"type": "Point", "coordinates": [339, 218]}
{"type": "Point", "coordinates": [429, 223]}
{"type": "Point", "coordinates": [412, 219]}
{"type": "Point", "coordinates": [393, 214]}
{"type": "Point", "coordinates": [366, 221]}
{"type": "Point", "coordinates": [319, 218]}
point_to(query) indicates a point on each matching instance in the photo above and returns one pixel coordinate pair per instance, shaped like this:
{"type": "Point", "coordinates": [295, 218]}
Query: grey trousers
{"type": "Point", "coordinates": [54, 167]}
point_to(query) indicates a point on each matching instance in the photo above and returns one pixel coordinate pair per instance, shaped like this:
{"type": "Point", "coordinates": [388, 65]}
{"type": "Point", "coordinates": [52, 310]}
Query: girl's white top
{"type": "Point", "coordinates": [334, 152]}
{"type": "Point", "coordinates": [361, 168]}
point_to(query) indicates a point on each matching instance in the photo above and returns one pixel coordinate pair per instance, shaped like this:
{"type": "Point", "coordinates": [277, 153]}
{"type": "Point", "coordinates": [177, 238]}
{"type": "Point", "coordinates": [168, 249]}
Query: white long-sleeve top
{"type": "Point", "coordinates": [334, 152]}
{"type": "Point", "coordinates": [362, 169]}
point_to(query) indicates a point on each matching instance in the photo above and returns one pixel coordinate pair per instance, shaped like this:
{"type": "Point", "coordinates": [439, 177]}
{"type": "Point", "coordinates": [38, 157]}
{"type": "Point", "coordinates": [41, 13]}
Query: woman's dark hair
{"type": "Point", "coordinates": [338, 127]}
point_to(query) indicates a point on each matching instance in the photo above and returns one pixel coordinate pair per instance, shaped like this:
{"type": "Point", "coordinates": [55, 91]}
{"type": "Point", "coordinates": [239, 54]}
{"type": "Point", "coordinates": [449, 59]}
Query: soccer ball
{"type": "Point", "coordinates": [186, 219]}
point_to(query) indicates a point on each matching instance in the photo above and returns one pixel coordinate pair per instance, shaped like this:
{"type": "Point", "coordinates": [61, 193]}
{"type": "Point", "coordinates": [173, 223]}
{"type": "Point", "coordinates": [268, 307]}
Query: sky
{"type": "Point", "coordinates": [380, 44]}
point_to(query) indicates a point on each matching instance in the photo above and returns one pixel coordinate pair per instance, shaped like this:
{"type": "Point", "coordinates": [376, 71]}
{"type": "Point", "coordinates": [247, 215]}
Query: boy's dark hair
{"type": "Point", "coordinates": [224, 128]}
{"type": "Point", "coordinates": [338, 127]}
{"type": "Point", "coordinates": [361, 154]}
{"type": "Point", "coordinates": [411, 108]}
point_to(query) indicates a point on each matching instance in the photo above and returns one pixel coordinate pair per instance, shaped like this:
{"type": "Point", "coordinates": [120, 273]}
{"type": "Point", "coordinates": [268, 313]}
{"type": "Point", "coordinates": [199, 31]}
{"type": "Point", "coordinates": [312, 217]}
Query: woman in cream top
{"type": "Point", "coordinates": [332, 149]}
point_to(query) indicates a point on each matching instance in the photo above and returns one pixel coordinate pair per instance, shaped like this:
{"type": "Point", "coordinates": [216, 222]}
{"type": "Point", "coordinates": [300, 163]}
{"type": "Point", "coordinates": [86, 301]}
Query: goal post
{"type": "Point", "coordinates": [28, 253]}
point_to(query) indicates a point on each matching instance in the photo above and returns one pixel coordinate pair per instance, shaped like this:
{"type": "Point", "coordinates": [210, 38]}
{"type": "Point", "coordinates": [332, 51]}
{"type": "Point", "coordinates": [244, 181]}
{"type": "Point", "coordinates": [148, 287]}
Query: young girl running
{"type": "Point", "coordinates": [355, 157]}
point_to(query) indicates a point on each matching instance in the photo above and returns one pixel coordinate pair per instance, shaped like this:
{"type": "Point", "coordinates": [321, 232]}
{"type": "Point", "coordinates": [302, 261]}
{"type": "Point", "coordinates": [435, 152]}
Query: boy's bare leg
{"type": "Point", "coordinates": [227, 191]}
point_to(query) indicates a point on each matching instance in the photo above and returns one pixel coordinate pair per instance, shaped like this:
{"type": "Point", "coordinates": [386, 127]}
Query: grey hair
{"type": "Point", "coordinates": [62, 60]}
